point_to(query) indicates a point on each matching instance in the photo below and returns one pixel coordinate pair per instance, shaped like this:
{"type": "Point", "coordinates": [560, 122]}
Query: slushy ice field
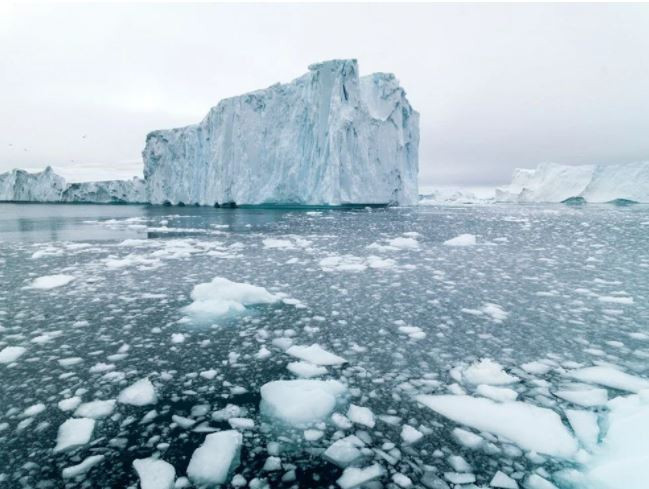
{"type": "Point", "coordinates": [478, 346]}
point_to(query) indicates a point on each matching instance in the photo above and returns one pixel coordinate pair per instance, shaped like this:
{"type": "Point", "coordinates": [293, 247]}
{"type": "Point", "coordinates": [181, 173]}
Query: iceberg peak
{"type": "Point", "coordinates": [328, 137]}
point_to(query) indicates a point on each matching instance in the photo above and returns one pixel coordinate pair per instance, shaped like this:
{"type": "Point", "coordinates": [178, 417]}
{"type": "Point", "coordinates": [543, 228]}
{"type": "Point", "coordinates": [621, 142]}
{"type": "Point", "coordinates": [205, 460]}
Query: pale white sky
{"type": "Point", "coordinates": [497, 86]}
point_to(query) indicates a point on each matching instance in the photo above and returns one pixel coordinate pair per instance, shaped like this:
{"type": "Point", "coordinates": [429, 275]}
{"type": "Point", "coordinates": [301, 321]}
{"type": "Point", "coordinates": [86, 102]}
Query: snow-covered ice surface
{"type": "Point", "coordinates": [543, 324]}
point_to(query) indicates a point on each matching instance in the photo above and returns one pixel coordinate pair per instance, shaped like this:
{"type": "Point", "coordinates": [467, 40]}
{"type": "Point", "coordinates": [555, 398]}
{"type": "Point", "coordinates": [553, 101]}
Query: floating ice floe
{"type": "Point", "coordinates": [345, 451]}
{"type": "Point", "coordinates": [486, 371]}
{"type": "Point", "coordinates": [74, 432]}
{"type": "Point", "coordinates": [620, 461]}
{"type": "Point", "coordinates": [354, 477]}
{"type": "Point", "coordinates": [10, 354]}
{"type": "Point", "coordinates": [95, 409]}
{"type": "Point", "coordinates": [410, 434]}
{"type": "Point", "coordinates": [530, 427]}
{"type": "Point", "coordinates": [461, 240]}
{"type": "Point", "coordinates": [315, 354]}
{"type": "Point", "coordinates": [141, 393]}
{"type": "Point", "coordinates": [306, 370]}
{"type": "Point", "coordinates": [503, 481]}
{"type": "Point", "coordinates": [83, 467]}
{"type": "Point", "coordinates": [222, 296]}
{"type": "Point", "coordinates": [361, 415]}
{"type": "Point", "coordinates": [584, 397]}
{"type": "Point", "coordinates": [496, 393]}
{"type": "Point", "coordinates": [610, 377]}
{"type": "Point", "coordinates": [154, 473]}
{"type": "Point", "coordinates": [51, 281]}
{"type": "Point", "coordinates": [215, 459]}
{"type": "Point", "coordinates": [300, 402]}
{"type": "Point", "coordinates": [584, 424]}
{"type": "Point", "coordinates": [349, 263]}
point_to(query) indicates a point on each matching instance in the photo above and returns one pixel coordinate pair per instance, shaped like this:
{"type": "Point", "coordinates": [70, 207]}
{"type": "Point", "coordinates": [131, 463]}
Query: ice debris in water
{"type": "Point", "coordinates": [300, 402]}
{"type": "Point", "coordinates": [345, 451]}
{"type": "Point", "coordinates": [222, 296]}
{"type": "Point", "coordinates": [610, 377]}
{"type": "Point", "coordinates": [306, 370]}
{"type": "Point", "coordinates": [73, 433]}
{"type": "Point", "coordinates": [95, 409]}
{"type": "Point", "coordinates": [315, 354]}
{"type": "Point", "coordinates": [82, 467]}
{"type": "Point", "coordinates": [621, 460]}
{"type": "Point", "coordinates": [51, 281]}
{"type": "Point", "coordinates": [140, 393]}
{"type": "Point", "coordinates": [361, 415]}
{"type": "Point", "coordinates": [354, 477]}
{"type": "Point", "coordinates": [529, 426]}
{"type": "Point", "coordinates": [486, 371]}
{"type": "Point", "coordinates": [10, 354]}
{"type": "Point", "coordinates": [584, 397]}
{"type": "Point", "coordinates": [461, 240]}
{"type": "Point", "coordinates": [154, 473]}
{"type": "Point", "coordinates": [214, 460]}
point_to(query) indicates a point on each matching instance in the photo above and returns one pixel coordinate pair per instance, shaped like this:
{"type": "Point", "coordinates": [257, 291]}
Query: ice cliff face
{"type": "Point", "coordinates": [47, 186]}
{"type": "Point", "coordinates": [110, 191]}
{"type": "Point", "coordinates": [328, 137]}
{"type": "Point", "coordinates": [550, 182]}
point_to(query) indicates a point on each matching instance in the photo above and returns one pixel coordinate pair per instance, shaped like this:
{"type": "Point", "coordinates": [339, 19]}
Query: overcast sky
{"type": "Point", "coordinates": [497, 86]}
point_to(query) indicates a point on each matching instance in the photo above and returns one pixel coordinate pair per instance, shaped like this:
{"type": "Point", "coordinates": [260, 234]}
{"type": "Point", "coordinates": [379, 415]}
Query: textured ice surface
{"type": "Point", "coordinates": [551, 182]}
{"type": "Point", "coordinates": [527, 298]}
{"type": "Point", "coordinates": [328, 137]}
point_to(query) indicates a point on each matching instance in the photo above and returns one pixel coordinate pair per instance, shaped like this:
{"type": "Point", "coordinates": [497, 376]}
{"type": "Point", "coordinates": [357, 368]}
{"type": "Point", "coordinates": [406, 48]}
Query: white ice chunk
{"type": "Point", "coordinates": [69, 404]}
{"type": "Point", "coordinates": [302, 401]}
{"type": "Point", "coordinates": [345, 451]}
{"type": "Point", "coordinates": [315, 354]}
{"type": "Point", "coordinates": [222, 296]}
{"type": "Point", "coordinates": [537, 368]}
{"type": "Point", "coordinates": [461, 240]}
{"type": "Point", "coordinates": [212, 462]}
{"type": "Point", "coordinates": [154, 473]}
{"type": "Point", "coordinates": [622, 460]}
{"type": "Point", "coordinates": [502, 480]}
{"type": "Point", "coordinates": [610, 377]}
{"type": "Point", "coordinates": [306, 369]}
{"type": "Point", "coordinates": [361, 415]}
{"type": "Point", "coordinates": [584, 397]}
{"type": "Point", "coordinates": [74, 432]}
{"type": "Point", "coordinates": [410, 434]}
{"type": "Point", "coordinates": [584, 424]}
{"type": "Point", "coordinates": [10, 354]}
{"type": "Point", "coordinates": [354, 477]}
{"type": "Point", "coordinates": [51, 281]}
{"type": "Point", "coordinates": [497, 393]}
{"type": "Point", "coordinates": [530, 427]}
{"type": "Point", "coordinates": [140, 393]}
{"type": "Point", "coordinates": [81, 468]}
{"type": "Point", "coordinates": [486, 371]}
{"type": "Point", "coordinates": [95, 409]}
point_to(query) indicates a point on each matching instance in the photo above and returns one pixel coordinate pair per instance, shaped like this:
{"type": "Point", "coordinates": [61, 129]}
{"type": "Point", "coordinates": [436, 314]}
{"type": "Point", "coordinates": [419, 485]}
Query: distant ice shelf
{"type": "Point", "coordinates": [47, 186]}
{"type": "Point", "coordinates": [551, 182]}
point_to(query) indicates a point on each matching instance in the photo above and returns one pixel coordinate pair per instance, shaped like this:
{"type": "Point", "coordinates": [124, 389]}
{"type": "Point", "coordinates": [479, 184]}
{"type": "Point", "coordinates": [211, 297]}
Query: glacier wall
{"type": "Point", "coordinates": [329, 137]}
{"type": "Point", "coordinates": [551, 182]}
{"type": "Point", "coordinates": [47, 186]}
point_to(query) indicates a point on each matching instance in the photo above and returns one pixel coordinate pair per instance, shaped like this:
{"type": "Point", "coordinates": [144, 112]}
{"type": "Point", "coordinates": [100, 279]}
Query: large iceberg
{"type": "Point", "coordinates": [551, 182]}
{"type": "Point", "coordinates": [47, 186]}
{"type": "Point", "coordinates": [329, 137]}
